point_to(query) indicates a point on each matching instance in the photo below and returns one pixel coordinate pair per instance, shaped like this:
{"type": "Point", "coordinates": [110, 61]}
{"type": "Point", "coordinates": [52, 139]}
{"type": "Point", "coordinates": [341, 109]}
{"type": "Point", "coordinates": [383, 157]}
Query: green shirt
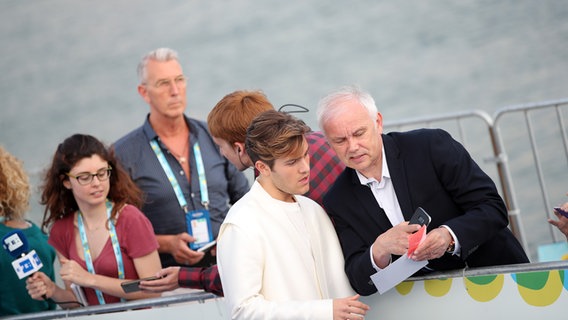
{"type": "Point", "coordinates": [14, 295]}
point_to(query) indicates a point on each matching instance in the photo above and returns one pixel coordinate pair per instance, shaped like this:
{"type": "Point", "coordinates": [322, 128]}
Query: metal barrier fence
{"type": "Point", "coordinates": [197, 297]}
{"type": "Point", "coordinates": [545, 164]}
{"type": "Point", "coordinates": [197, 306]}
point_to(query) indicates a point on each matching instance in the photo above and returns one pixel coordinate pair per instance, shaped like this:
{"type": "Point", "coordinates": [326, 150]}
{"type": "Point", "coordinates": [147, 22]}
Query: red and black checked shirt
{"type": "Point", "coordinates": [201, 278]}
{"type": "Point", "coordinates": [325, 166]}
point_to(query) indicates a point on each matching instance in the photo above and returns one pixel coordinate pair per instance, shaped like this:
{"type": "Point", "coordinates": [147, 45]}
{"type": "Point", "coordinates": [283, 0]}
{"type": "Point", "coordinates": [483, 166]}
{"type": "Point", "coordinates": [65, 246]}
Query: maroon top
{"type": "Point", "coordinates": [135, 237]}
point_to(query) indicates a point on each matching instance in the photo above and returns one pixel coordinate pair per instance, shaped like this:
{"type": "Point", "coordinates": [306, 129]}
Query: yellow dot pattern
{"type": "Point", "coordinates": [538, 289]}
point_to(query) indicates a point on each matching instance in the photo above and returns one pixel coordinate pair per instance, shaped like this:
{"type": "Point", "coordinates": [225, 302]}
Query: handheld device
{"type": "Point", "coordinates": [79, 294]}
{"type": "Point", "coordinates": [25, 263]}
{"type": "Point", "coordinates": [207, 247]}
{"type": "Point", "coordinates": [420, 217]}
{"type": "Point", "coordinates": [134, 285]}
{"type": "Point", "coordinates": [562, 212]}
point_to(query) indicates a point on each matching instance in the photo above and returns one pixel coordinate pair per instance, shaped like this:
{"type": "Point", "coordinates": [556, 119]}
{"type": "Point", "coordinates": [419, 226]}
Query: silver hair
{"type": "Point", "coordinates": [161, 54]}
{"type": "Point", "coordinates": [331, 104]}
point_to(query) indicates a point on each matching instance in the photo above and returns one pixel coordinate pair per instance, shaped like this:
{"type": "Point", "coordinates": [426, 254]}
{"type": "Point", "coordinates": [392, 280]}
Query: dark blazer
{"type": "Point", "coordinates": [429, 169]}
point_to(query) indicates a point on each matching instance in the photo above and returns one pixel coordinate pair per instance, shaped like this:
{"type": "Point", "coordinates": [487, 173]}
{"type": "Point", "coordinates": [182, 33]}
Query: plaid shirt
{"type": "Point", "coordinates": [325, 166]}
{"type": "Point", "coordinates": [201, 278]}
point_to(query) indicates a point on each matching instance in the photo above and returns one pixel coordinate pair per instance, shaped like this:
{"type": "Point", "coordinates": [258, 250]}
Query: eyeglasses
{"type": "Point", "coordinates": [163, 84]}
{"type": "Point", "coordinates": [86, 178]}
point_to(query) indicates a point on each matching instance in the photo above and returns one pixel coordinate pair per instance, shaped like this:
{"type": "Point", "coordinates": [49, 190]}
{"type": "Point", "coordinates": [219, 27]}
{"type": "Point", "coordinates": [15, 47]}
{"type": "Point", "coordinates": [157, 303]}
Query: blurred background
{"type": "Point", "coordinates": [70, 66]}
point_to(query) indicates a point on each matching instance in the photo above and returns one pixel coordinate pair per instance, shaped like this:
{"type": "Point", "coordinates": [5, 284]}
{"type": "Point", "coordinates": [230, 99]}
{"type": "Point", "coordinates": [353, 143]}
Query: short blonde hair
{"type": "Point", "coordinates": [14, 187]}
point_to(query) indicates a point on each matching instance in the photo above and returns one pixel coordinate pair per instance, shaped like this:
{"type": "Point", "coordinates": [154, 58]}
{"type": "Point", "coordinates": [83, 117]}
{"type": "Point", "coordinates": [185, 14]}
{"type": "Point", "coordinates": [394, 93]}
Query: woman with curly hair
{"type": "Point", "coordinates": [100, 235]}
{"type": "Point", "coordinates": [14, 203]}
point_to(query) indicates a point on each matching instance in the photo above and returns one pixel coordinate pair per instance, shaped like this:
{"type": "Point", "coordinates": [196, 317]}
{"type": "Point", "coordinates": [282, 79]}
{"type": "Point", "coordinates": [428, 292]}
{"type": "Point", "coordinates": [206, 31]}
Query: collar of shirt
{"type": "Point", "coordinates": [384, 192]}
{"type": "Point", "coordinates": [385, 174]}
{"type": "Point", "coordinates": [151, 134]}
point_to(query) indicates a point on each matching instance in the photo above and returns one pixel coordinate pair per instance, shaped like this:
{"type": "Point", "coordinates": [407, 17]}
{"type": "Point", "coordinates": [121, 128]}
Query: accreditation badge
{"type": "Point", "coordinates": [199, 226]}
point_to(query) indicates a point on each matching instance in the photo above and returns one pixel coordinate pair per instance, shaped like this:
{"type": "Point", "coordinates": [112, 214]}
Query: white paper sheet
{"type": "Point", "coordinates": [396, 272]}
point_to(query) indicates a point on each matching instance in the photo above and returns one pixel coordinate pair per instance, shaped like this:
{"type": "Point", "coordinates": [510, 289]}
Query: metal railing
{"type": "Point", "coordinates": [116, 309]}
{"type": "Point", "coordinates": [198, 297]}
{"type": "Point", "coordinates": [549, 110]}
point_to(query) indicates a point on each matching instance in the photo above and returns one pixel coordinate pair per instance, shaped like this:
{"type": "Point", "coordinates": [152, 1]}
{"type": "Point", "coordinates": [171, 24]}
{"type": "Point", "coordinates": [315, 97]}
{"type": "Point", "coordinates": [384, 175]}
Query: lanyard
{"type": "Point", "coordinates": [87, 251]}
{"type": "Point", "coordinates": [173, 181]}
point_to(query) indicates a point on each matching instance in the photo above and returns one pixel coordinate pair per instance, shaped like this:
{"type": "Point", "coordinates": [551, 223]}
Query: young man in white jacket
{"type": "Point", "coordinates": [278, 253]}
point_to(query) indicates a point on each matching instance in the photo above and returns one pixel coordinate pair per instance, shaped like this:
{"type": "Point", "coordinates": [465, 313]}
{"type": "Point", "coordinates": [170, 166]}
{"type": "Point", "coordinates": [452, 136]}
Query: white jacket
{"type": "Point", "coordinates": [269, 269]}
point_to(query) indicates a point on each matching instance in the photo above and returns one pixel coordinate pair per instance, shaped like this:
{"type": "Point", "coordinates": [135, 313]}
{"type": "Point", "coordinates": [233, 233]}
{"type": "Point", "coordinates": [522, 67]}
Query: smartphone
{"type": "Point", "coordinates": [420, 217]}
{"type": "Point", "coordinates": [562, 212]}
{"type": "Point", "coordinates": [134, 285]}
{"type": "Point", "coordinates": [206, 247]}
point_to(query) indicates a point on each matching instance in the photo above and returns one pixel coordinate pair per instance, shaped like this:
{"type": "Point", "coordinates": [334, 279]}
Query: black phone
{"type": "Point", "coordinates": [562, 212]}
{"type": "Point", "coordinates": [420, 217]}
{"type": "Point", "coordinates": [134, 285]}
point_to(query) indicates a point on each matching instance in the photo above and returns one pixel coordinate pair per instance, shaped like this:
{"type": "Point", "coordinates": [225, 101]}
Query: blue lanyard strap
{"type": "Point", "coordinates": [87, 251]}
{"type": "Point", "coordinates": [169, 173]}
{"type": "Point", "coordinates": [201, 174]}
{"type": "Point", "coordinates": [173, 181]}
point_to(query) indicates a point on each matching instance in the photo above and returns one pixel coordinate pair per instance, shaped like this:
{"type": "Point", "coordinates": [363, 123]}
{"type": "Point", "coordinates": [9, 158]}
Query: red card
{"type": "Point", "coordinates": [415, 239]}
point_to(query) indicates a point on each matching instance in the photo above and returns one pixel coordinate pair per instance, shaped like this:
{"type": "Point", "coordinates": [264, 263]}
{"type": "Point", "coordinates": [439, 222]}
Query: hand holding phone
{"type": "Point", "coordinates": [560, 211]}
{"type": "Point", "coordinates": [134, 285]}
{"type": "Point", "coordinates": [420, 217]}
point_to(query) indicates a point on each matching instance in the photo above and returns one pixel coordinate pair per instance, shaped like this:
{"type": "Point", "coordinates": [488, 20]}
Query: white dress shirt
{"type": "Point", "coordinates": [386, 198]}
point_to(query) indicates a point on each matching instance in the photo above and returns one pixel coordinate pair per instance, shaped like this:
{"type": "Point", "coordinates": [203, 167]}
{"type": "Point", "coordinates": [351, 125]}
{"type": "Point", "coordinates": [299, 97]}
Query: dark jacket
{"type": "Point", "coordinates": [429, 169]}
